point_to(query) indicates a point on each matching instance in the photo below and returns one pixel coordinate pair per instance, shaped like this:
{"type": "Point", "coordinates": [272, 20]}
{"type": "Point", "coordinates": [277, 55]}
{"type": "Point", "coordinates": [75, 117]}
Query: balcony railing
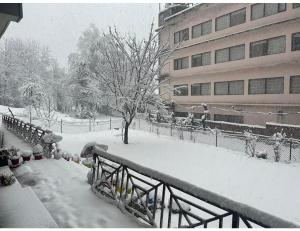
{"type": "Point", "coordinates": [160, 200]}
{"type": "Point", "coordinates": [28, 132]}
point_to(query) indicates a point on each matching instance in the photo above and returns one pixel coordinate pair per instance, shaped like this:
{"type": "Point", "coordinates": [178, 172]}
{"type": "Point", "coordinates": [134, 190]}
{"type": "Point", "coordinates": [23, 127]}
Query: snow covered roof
{"type": "Point", "coordinates": [9, 12]}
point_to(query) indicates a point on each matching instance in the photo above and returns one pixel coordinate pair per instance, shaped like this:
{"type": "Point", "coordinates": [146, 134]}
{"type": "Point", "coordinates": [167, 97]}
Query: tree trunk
{"type": "Point", "coordinates": [126, 133]}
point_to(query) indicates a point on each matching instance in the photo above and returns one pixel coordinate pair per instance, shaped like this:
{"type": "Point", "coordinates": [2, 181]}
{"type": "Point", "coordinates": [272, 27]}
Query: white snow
{"type": "Point", "coordinates": [265, 185]}
{"type": "Point", "coordinates": [62, 187]}
{"type": "Point", "coordinates": [20, 208]}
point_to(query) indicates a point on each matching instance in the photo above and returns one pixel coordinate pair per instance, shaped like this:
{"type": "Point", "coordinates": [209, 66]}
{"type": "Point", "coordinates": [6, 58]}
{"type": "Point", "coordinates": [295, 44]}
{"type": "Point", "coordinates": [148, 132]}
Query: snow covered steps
{"type": "Point", "coordinates": [21, 208]}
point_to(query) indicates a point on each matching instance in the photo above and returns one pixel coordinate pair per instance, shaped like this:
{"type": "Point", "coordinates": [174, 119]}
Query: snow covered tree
{"type": "Point", "coordinates": [129, 69]}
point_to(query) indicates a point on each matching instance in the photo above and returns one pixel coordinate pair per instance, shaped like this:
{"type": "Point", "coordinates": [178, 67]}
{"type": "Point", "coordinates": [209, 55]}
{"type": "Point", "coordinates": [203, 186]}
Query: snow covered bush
{"type": "Point", "coordinates": [7, 178]}
{"type": "Point", "coordinates": [37, 152]}
{"type": "Point", "coordinates": [88, 162]}
{"type": "Point", "coordinates": [76, 158]}
{"type": "Point", "coordinates": [26, 154]}
{"type": "Point", "coordinates": [251, 140]}
{"type": "Point", "coordinates": [278, 138]}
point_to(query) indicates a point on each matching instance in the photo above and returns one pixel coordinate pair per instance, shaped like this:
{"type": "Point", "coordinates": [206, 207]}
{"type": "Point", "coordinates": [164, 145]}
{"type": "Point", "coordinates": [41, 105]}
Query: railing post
{"type": "Point", "coordinates": [235, 220]}
{"type": "Point", "coordinates": [90, 125]}
{"type": "Point", "coordinates": [61, 125]}
{"type": "Point", "coordinates": [216, 138]}
{"type": "Point", "coordinates": [109, 123]}
{"type": "Point", "coordinates": [291, 146]}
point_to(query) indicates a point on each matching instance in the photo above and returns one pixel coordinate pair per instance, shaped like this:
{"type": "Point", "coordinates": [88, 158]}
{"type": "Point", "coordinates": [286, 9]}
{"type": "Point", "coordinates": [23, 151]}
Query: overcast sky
{"type": "Point", "coordinates": [59, 26]}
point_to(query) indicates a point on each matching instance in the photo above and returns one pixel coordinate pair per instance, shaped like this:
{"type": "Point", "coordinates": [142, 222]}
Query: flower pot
{"type": "Point", "coordinates": [15, 161]}
{"type": "Point", "coordinates": [38, 157]}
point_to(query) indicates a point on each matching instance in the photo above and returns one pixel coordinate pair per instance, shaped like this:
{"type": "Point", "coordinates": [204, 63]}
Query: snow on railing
{"type": "Point", "coordinates": [142, 192]}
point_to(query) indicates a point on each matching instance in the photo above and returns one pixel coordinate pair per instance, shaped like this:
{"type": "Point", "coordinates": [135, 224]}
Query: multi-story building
{"type": "Point", "coordinates": [242, 60]}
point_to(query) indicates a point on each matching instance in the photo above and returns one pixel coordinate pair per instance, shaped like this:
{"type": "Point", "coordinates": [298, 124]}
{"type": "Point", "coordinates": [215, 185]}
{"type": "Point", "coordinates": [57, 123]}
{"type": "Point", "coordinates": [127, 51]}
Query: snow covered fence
{"type": "Point", "coordinates": [143, 192]}
{"type": "Point", "coordinates": [26, 131]}
{"type": "Point", "coordinates": [237, 141]}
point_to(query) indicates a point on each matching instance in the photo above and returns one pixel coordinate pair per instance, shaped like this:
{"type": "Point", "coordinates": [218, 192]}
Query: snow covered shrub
{"type": "Point", "coordinates": [66, 156]}
{"type": "Point", "coordinates": [15, 157]}
{"type": "Point", "coordinates": [250, 143]}
{"type": "Point", "coordinates": [262, 154]}
{"type": "Point", "coordinates": [76, 158]}
{"type": "Point", "coordinates": [7, 178]}
{"type": "Point", "coordinates": [26, 154]}
{"type": "Point", "coordinates": [37, 151]}
{"type": "Point", "coordinates": [88, 162]}
{"type": "Point", "coordinates": [278, 138]}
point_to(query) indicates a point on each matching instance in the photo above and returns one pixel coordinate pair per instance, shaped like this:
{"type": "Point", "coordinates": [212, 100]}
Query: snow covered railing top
{"type": "Point", "coordinates": [115, 170]}
{"type": "Point", "coordinates": [28, 132]}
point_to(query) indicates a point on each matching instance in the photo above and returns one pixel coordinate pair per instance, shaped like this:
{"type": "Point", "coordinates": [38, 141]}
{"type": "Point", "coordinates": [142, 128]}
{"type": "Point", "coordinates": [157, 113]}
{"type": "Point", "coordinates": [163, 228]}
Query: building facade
{"type": "Point", "coordinates": [242, 60]}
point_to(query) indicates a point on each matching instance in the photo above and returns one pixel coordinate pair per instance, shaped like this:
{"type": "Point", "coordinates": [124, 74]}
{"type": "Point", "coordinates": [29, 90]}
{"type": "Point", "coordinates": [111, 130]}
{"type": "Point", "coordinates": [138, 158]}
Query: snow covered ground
{"type": "Point", "coordinates": [265, 185]}
{"type": "Point", "coordinates": [62, 187]}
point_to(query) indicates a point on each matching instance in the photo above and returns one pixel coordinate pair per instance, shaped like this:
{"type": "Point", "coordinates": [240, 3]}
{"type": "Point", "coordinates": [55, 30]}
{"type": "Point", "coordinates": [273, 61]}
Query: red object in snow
{"type": "Point", "coordinates": [26, 158]}
{"type": "Point", "coordinates": [15, 161]}
{"type": "Point", "coordinates": [38, 157]}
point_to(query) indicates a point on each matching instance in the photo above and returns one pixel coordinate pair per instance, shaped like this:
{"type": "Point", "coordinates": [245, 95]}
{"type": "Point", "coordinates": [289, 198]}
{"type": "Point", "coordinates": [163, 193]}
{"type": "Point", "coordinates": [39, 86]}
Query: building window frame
{"type": "Point", "coordinates": [193, 64]}
{"type": "Point", "coordinates": [179, 63]}
{"type": "Point", "coordinates": [177, 93]}
{"type": "Point", "coordinates": [295, 47]}
{"type": "Point", "coordinates": [296, 5]}
{"type": "Point", "coordinates": [229, 53]}
{"type": "Point", "coordinates": [229, 87]}
{"type": "Point", "coordinates": [201, 29]}
{"type": "Point", "coordinates": [182, 35]}
{"type": "Point", "coordinates": [293, 89]}
{"type": "Point", "coordinates": [264, 10]}
{"type": "Point", "coordinates": [231, 24]}
{"type": "Point", "coordinates": [266, 47]}
{"type": "Point", "coordinates": [265, 88]}
{"type": "Point", "coordinates": [201, 85]}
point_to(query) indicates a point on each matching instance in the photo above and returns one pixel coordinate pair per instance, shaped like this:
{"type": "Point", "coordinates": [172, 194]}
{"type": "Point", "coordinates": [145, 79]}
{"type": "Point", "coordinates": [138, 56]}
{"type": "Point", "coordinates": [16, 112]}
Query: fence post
{"type": "Point", "coordinates": [90, 125]}
{"type": "Point", "coordinates": [109, 123]}
{"type": "Point", "coordinates": [216, 138]}
{"type": "Point", "coordinates": [235, 220]}
{"type": "Point", "coordinates": [291, 145]}
{"type": "Point", "coordinates": [139, 123]}
{"type": "Point", "coordinates": [61, 124]}
{"type": "Point", "coordinates": [171, 129]}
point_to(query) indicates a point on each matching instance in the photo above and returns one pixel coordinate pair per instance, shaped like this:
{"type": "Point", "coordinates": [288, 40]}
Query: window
{"type": "Point", "coordinates": [200, 89]}
{"type": "Point", "coordinates": [267, 47]}
{"type": "Point", "coordinates": [266, 86]}
{"type": "Point", "coordinates": [261, 10]}
{"type": "Point", "coordinates": [232, 19]}
{"type": "Point", "coordinates": [182, 35]}
{"type": "Point", "coordinates": [181, 90]}
{"type": "Point", "coordinates": [201, 29]}
{"type": "Point", "coordinates": [229, 118]}
{"type": "Point", "coordinates": [296, 5]}
{"type": "Point", "coordinates": [181, 63]}
{"type": "Point", "coordinates": [230, 54]}
{"type": "Point", "coordinates": [181, 114]}
{"type": "Point", "coordinates": [201, 59]}
{"type": "Point", "coordinates": [296, 41]}
{"type": "Point", "coordinates": [295, 84]}
{"type": "Point", "coordinates": [229, 88]}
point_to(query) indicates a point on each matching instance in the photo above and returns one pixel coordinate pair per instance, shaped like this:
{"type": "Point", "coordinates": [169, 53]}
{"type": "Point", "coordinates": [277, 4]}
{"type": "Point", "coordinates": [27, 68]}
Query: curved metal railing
{"type": "Point", "coordinates": [144, 192]}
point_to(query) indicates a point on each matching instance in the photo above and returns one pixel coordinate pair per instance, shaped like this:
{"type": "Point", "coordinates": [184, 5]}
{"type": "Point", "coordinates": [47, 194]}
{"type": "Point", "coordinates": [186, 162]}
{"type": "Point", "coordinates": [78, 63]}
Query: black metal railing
{"type": "Point", "coordinates": [160, 200]}
{"type": "Point", "coordinates": [28, 132]}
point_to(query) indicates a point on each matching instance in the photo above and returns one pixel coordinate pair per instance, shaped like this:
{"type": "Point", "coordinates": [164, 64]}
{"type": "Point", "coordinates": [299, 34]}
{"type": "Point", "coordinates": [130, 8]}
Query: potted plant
{"type": "Point", "coordinates": [26, 155]}
{"type": "Point", "coordinates": [14, 157]}
{"type": "Point", "coordinates": [66, 156]}
{"type": "Point", "coordinates": [76, 158]}
{"type": "Point", "coordinates": [7, 178]}
{"type": "Point", "coordinates": [37, 152]}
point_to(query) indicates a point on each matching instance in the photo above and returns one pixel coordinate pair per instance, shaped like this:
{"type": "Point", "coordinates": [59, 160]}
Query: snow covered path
{"type": "Point", "coordinates": [62, 187]}
{"type": "Point", "coordinates": [12, 140]}
{"type": "Point", "coordinates": [266, 185]}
